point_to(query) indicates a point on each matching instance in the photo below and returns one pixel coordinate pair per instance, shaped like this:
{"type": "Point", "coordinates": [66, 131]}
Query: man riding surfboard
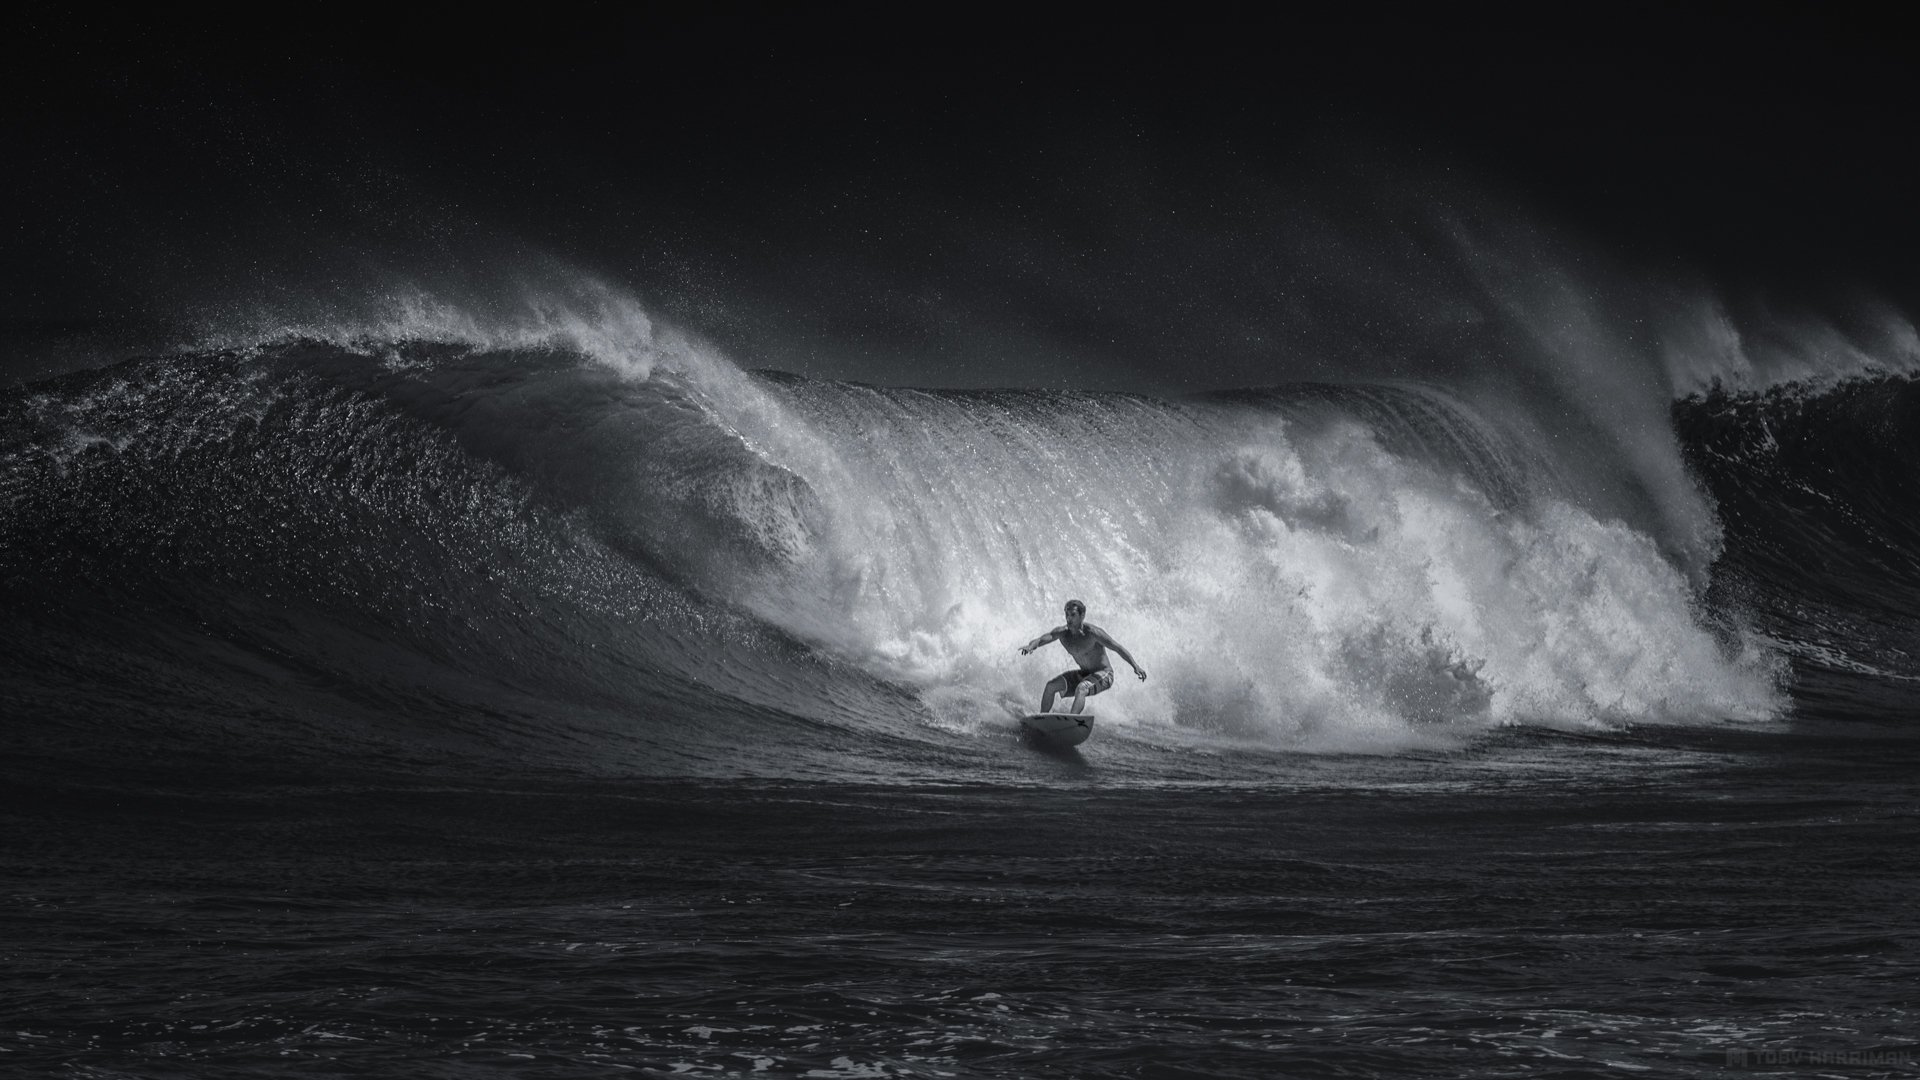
{"type": "Point", "coordinates": [1088, 644]}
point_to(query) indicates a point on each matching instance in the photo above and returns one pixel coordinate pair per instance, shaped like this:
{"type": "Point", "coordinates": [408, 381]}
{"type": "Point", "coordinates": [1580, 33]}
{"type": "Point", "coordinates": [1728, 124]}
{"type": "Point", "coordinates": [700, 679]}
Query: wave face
{"type": "Point", "coordinates": [624, 554]}
{"type": "Point", "coordinates": [1818, 486]}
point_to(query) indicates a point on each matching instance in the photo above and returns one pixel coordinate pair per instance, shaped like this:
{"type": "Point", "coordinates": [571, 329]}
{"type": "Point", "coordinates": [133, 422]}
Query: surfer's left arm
{"type": "Point", "coordinates": [1107, 640]}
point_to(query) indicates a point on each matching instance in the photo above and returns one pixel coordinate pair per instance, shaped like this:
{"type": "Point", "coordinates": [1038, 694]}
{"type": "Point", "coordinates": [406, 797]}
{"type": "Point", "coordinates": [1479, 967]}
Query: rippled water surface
{"type": "Point", "coordinates": [1501, 914]}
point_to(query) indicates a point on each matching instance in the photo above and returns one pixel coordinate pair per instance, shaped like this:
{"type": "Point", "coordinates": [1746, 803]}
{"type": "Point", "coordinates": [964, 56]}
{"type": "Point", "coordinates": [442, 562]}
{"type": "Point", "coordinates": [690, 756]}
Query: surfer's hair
{"type": "Point", "coordinates": [1071, 604]}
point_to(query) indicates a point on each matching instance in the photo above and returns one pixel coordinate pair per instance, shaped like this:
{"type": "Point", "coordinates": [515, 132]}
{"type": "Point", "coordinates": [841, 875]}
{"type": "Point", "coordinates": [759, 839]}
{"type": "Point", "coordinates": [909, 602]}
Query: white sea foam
{"type": "Point", "coordinates": [1280, 584]}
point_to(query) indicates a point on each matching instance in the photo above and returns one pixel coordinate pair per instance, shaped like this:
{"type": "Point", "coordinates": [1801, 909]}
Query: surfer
{"type": "Point", "coordinates": [1088, 644]}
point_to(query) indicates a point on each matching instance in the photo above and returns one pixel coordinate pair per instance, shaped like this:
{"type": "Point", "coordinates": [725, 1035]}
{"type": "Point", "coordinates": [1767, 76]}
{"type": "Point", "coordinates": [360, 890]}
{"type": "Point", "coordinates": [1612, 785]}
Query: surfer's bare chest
{"type": "Point", "coordinates": [1086, 648]}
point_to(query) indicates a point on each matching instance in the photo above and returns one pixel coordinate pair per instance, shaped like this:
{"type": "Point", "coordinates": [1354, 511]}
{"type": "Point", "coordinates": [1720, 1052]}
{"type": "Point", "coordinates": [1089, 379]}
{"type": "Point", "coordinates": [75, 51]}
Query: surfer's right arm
{"type": "Point", "coordinates": [1051, 635]}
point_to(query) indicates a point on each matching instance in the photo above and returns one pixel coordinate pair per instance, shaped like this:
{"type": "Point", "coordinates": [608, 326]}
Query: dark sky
{"type": "Point", "coordinates": [955, 198]}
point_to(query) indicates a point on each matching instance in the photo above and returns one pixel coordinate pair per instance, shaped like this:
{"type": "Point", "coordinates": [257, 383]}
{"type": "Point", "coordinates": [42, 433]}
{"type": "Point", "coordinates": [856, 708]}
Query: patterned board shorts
{"type": "Point", "coordinates": [1096, 680]}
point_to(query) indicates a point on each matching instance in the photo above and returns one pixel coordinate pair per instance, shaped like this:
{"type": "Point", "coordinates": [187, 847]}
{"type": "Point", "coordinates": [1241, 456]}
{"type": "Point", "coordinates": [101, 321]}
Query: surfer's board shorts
{"type": "Point", "coordinates": [1096, 680]}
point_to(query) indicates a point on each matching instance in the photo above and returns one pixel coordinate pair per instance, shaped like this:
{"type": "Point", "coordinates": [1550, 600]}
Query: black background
{"type": "Point", "coordinates": [954, 196]}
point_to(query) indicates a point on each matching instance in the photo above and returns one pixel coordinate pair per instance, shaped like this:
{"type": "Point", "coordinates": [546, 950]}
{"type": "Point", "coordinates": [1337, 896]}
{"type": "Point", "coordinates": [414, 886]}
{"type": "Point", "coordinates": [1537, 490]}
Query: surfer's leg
{"type": "Point", "coordinates": [1056, 687]}
{"type": "Point", "coordinates": [1090, 684]}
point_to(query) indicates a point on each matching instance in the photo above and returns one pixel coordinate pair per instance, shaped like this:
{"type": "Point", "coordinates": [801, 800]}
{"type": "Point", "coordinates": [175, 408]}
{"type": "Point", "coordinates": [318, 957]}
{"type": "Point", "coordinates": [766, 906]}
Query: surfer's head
{"type": "Point", "coordinates": [1076, 613]}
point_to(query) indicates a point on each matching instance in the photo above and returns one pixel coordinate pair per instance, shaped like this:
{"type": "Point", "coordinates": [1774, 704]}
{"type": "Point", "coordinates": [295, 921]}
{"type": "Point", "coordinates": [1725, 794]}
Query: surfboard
{"type": "Point", "coordinates": [1059, 728]}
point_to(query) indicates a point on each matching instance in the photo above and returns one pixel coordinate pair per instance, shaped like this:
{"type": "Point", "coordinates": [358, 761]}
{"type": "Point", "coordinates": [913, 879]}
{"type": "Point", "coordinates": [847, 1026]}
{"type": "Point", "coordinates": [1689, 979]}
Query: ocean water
{"type": "Point", "coordinates": [558, 698]}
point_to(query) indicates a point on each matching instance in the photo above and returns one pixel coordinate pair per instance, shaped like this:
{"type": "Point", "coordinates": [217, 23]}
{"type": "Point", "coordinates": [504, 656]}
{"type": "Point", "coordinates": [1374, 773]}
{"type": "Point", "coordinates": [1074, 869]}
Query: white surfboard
{"type": "Point", "coordinates": [1059, 728]}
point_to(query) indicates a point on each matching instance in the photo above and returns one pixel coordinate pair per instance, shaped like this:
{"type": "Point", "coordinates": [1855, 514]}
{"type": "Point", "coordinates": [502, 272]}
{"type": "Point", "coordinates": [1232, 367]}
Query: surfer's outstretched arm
{"type": "Point", "coordinates": [1051, 635]}
{"type": "Point", "coordinates": [1107, 640]}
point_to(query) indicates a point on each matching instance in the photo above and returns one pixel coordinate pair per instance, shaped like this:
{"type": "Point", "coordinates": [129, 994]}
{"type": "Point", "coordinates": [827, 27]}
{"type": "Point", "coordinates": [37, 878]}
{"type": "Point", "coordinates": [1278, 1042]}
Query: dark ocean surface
{"type": "Point", "coordinates": [436, 704]}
